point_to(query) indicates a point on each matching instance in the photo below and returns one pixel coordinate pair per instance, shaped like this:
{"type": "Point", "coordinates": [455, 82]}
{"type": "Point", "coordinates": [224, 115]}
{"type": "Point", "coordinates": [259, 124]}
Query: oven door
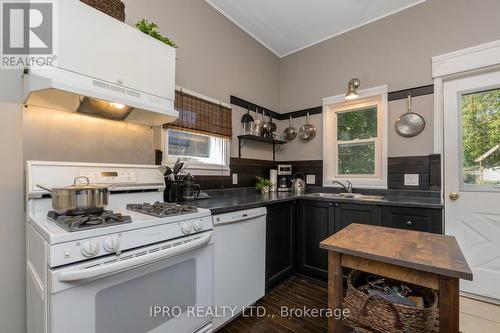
{"type": "Point", "coordinates": [148, 290]}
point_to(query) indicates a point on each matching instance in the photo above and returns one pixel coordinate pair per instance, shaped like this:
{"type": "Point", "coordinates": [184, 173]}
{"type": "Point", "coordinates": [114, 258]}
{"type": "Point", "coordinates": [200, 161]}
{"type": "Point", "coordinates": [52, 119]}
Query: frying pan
{"type": "Point", "coordinates": [307, 132]}
{"type": "Point", "coordinates": [273, 125]}
{"type": "Point", "coordinates": [410, 124]}
{"type": "Point", "coordinates": [290, 132]}
{"type": "Point", "coordinates": [266, 125]}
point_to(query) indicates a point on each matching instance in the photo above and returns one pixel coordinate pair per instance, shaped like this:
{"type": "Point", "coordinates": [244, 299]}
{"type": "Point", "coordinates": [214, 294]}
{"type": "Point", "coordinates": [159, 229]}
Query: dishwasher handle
{"type": "Point", "coordinates": [238, 217]}
{"type": "Point", "coordinates": [97, 271]}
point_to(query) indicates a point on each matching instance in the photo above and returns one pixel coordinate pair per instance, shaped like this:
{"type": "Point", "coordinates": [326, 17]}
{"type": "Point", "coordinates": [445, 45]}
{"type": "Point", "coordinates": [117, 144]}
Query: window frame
{"type": "Point", "coordinates": [332, 106]}
{"type": "Point", "coordinates": [194, 165]}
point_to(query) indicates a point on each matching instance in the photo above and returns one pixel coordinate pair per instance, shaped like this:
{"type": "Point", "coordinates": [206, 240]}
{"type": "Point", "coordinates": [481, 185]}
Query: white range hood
{"type": "Point", "coordinates": [104, 68]}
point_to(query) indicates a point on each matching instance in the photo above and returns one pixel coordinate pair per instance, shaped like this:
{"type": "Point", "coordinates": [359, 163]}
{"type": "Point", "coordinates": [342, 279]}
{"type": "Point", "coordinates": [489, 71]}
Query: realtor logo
{"type": "Point", "coordinates": [27, 33]}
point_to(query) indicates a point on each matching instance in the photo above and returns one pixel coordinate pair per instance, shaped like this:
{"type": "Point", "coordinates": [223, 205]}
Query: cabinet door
{"type": "Point", "coordinates": [315, 223]}
{"type": "Point", "coordinates": [280, 242]}
{"type": "Point", "coordinates": [347, 213]}
{"type": "Point", "coordinates": [417, 219]}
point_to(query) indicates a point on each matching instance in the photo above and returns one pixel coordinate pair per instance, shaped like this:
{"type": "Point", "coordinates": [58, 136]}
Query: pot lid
{"type": "Point", "coordinates": [78, 185]}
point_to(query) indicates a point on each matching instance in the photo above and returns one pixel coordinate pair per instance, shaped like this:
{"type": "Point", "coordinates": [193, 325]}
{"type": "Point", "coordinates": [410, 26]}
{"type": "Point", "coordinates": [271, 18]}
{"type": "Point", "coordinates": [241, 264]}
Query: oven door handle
{"type": "Point", "coordinates": [97, 271]}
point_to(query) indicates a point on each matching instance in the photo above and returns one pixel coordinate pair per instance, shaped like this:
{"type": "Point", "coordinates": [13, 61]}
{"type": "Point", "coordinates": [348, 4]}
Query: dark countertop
{"type": "Point", "coordinates": [225, 201]}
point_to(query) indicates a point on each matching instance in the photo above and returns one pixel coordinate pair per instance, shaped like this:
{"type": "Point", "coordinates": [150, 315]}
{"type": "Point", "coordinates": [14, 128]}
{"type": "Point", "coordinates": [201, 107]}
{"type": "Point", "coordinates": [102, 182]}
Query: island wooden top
{"type": "Point", "coordinates": [422, 251]}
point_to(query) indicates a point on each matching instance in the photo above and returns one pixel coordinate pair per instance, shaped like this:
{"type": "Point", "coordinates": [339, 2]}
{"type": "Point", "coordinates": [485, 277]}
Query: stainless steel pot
{"type": "Point", "coordinates": [79, 199]}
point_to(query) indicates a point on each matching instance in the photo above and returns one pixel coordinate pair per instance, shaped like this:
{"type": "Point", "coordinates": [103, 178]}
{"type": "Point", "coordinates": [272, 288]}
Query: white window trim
{"type": "Point", "coordinates": [449, 65]}
{"type": "Point", "coordinates": [332, 105]}
{"type": "Point", "coordinates": [197, 168]}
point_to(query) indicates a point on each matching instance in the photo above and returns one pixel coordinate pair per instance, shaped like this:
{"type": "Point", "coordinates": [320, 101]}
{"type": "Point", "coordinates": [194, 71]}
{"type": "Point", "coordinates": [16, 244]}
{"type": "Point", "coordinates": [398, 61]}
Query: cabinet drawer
{"type": "Point", "coordinates": [348, 213]}
{"type": "Point", "coordinates": [417, 219]}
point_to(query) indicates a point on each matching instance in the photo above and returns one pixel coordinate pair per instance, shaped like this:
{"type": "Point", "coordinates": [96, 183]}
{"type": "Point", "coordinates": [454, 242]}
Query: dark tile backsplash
{"type": "Point", "coordinates": [427, 167]}
{"type": "Point", "coordinates": [248, 169]}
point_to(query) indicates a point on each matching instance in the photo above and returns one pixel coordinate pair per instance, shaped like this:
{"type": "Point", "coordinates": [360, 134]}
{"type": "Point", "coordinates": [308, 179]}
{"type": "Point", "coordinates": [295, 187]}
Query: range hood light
{"type": "Point", "coordinates": [103, 109]}
{"type": "Point", "coordinates": [117, 106]}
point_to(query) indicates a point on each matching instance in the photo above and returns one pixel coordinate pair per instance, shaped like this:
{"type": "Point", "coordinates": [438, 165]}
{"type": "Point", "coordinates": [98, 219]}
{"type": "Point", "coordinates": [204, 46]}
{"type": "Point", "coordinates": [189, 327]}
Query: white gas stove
{"type": "Point", "coordinates": [137, 242]}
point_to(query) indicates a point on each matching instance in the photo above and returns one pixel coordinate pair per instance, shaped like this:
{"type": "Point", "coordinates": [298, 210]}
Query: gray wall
{"type": "Point", "coordinates": [396, 51]}
{"type": "Point", "coordinates": [397, 146]}
{"type": "Point", "coordinates": [63, 136]}
{"type": "Point", "coordinates": [215, 58]}
{"type": "Point", "coordinates": [12, 225]}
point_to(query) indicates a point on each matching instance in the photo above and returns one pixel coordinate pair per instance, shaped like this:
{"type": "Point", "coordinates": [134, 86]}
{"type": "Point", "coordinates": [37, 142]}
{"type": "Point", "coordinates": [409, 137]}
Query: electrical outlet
{"type": "Point", "coordinates": [235, 179]}
{"type": "Point", "coordinates": [411, 179]}
{"type": "Point", "coordinates": [311, 179]}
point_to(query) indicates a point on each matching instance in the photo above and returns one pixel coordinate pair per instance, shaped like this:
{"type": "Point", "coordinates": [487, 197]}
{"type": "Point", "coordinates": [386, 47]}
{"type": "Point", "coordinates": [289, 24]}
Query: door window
{"type": "Point", "coordinates": [481, 139]}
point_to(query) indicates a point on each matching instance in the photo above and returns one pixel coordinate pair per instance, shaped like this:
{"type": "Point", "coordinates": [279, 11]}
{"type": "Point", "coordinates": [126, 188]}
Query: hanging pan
{"type": "Point", "coordinates": [247, 118]}
{"type": "Point", "coordinates": [410, 124]}
{"type": "Point", "coordinates": [307, 132]}
{"type": "Point", "coordinates": [290, 132]}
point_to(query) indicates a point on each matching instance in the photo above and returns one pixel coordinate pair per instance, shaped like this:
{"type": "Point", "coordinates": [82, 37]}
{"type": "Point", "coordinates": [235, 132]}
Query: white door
{"type": "Point", "coordinates": [472, 176]}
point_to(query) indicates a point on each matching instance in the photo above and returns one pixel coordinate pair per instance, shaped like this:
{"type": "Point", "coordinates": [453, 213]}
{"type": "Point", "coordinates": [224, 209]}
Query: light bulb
{"type": "Point", "coordinates": [117, 106]}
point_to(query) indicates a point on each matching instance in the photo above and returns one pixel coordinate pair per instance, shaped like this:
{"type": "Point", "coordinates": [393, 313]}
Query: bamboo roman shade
{"type": "Point", "coordinates": [201, 116]}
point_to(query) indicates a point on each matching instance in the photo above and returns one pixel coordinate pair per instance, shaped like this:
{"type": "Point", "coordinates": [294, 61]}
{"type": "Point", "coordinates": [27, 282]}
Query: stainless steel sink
{"type": "Point", "coordinates": [346, 196]}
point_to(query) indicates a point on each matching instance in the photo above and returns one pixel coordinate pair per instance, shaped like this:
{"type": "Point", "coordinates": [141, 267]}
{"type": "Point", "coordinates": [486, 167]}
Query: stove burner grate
{"type": "Point", "coordinates": [162, 209]}
{"type": "Point", "coordinates": [88, 221]}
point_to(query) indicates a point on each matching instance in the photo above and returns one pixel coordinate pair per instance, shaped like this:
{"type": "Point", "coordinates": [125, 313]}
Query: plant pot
{"type": "Point", "coordinates": [265, 190]}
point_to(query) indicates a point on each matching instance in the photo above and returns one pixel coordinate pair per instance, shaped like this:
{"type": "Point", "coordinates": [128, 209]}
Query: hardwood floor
{"type": "Point", "coordinates": [294, 293]}
{"type": "Point", "coordinates": [299, 292]}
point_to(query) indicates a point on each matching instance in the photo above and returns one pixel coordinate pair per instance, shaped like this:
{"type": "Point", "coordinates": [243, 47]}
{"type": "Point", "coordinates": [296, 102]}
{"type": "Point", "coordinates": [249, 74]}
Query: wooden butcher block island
{"type": "Point", "coordinates": [420, 258]}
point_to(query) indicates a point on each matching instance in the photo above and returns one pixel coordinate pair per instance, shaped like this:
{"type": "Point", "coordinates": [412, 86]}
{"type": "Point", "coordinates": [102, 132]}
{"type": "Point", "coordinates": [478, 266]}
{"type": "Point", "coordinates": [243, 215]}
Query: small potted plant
{"type": "Point", "coordinates": [263, 185]}
{"type": "Point", "coordinates": [151, 28]}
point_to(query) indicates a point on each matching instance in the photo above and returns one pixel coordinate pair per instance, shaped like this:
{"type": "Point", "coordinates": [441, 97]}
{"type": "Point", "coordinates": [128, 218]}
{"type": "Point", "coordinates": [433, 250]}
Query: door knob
{"type": "Point", "coordinates": [454, 196]}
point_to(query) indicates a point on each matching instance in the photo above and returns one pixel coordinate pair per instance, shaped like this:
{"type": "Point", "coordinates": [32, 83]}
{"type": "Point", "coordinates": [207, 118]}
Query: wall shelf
{"type": "Point", "coordinates": [243, 139]}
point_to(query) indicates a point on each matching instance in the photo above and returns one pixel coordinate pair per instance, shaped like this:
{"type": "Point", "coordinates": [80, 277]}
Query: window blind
{"type": "Point", "coordinates": [198, 115]}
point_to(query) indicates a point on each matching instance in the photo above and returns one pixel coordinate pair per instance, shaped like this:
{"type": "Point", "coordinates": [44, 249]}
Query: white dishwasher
{"type": "Point", "coordinates": [239, 260]}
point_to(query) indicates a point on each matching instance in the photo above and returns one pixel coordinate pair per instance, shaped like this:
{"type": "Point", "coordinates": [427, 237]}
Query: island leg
{"type": "Point", "coordinates": [448, 305]}
{"type": "Point", "coordinates": [335, 290]}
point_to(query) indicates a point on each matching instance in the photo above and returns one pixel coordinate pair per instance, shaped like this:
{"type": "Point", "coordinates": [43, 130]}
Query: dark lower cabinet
{"type": "Point", "coordinates": [315, 223]}
{"type": "Point", "coordinates": [294, 231]}
{"type": "Point", "coordinates": [417, 219]}
{"type": "Point", "coordinates": [347, 213]}
{"type": "Point", "coordinates": [280, 242]}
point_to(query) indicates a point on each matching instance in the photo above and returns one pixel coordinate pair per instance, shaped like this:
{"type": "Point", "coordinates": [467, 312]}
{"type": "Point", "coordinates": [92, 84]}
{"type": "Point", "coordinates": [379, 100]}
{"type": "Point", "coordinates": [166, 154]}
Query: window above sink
{"type": "Point", "coordinates": [355, 139]}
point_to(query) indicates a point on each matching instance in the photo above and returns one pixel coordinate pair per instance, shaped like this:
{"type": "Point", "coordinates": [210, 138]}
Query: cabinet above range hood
{"type": "Point", "coordinates": [104, 68]}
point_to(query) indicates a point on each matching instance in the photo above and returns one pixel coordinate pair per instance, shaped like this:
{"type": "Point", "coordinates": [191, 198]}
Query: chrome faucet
{"type": "Point", "coordinates": [347, 187]}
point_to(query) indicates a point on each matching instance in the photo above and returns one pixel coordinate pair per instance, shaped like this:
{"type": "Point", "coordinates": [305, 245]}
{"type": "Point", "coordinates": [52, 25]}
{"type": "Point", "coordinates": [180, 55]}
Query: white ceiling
{"type": "Point", "coordinates": [287, 26]}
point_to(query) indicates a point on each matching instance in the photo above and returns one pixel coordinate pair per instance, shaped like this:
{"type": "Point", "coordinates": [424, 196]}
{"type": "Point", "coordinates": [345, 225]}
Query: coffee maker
{"type": "Point", "coordinates": [284, 177]}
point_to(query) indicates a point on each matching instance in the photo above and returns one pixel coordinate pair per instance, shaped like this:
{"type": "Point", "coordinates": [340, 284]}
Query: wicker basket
{"type": "Point", "coordinates": [114, 8]}
{"type": "Point", "coordinates": [381, 315]}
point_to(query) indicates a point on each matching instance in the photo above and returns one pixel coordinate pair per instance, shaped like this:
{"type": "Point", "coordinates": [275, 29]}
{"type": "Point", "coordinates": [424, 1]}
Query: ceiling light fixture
{"type": "Point", "coordinates": [352, 89]}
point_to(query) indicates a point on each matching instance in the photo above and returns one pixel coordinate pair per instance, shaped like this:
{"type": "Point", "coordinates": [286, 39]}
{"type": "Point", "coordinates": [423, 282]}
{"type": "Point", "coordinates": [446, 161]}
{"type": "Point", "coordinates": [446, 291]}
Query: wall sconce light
{"type": "Point", "coordinates": [352, 89]}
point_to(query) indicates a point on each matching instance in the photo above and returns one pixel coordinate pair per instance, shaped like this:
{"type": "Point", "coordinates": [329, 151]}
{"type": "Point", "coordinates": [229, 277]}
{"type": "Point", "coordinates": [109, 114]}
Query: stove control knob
{"type": "Point", "coordinates": [112, 244]}
{"type": "Point", "coordinates": [198, 226]}
{"type": "Point", "coordinates": [90, 249]}
{"type": "Point", "coordinates": [187, 228]}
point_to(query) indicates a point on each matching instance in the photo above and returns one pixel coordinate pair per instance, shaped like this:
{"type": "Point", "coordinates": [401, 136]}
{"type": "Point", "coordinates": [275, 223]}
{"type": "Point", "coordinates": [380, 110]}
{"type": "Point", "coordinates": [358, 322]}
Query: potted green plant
{"type": "Point", "coordinates": [263, 184]}
{"type": "Point", "coordinates": [151, 28]}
